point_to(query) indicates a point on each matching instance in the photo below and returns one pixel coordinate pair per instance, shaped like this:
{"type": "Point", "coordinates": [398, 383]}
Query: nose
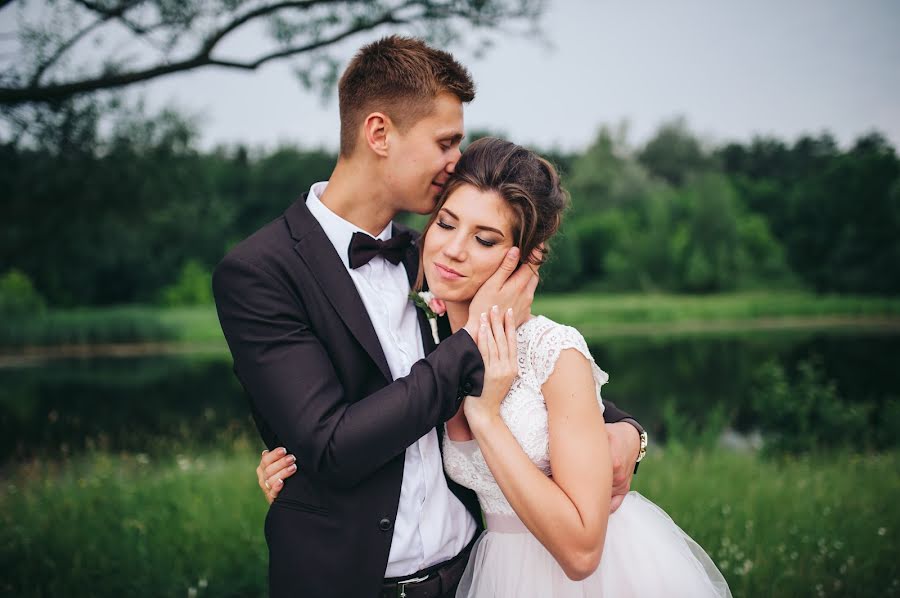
{"type": "Point", "coordinates": [455, 248]}
{"type": "Point", "coordinates": [451, 166]}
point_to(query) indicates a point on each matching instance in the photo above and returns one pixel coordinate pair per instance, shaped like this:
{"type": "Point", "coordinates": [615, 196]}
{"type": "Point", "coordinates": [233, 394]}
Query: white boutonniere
{"type": "Point", "coordinates": [432, 306]}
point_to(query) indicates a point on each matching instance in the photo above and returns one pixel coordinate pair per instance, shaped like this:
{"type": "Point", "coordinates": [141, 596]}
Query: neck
{"type": "Point", "coordinates": [352, 195]}
{"type": "Point", "coordinates": [458, 313]}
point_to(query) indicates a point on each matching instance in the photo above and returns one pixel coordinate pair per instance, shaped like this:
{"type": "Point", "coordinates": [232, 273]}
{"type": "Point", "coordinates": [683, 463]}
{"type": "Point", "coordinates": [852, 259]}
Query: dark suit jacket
{"type": "Point", "coordinates": [307, 354]}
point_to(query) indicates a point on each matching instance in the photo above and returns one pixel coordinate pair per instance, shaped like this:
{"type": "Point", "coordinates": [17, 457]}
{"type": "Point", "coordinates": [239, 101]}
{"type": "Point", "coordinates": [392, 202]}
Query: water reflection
{"type": "Point", "coordinates": [160, 403]}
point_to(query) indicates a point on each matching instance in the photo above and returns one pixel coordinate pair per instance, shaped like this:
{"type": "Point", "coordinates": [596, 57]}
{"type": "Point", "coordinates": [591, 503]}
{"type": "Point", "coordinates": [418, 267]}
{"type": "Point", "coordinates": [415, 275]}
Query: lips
{"type": "Point", "coordinates": [447, 273]}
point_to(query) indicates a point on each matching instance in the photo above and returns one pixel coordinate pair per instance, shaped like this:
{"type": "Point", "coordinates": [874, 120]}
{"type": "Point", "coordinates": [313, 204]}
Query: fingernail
{"type": "Point", "coordinates": [495, 310]}
{"type": "Point", "coordinates": [509, 312]}
{"type": "Point", "coordinates": [282, 451]}
{"type": "Point", "coordinates": [293, 468]}
{"type": "Point", "coordinates": [483, 318]}
{"type": "Point", "coordinates": [277, 482]}
{"type": "Point", "coordinates": [514, 252]}
{"type": "Point", "coordinates": [265, 451]}
{"type": "Point", "coordinates": [293, 459]}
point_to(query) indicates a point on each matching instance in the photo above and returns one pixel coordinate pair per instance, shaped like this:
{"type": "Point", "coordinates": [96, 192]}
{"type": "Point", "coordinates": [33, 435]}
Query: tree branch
{"type": "Point", "coordinates": [253, 65]}
{"type": "Point", "coordinates": [347, 21]}
{"type": "Point", "coordinates": [55, 92]}
{"type": "Point", "coordinates": [262, 11]}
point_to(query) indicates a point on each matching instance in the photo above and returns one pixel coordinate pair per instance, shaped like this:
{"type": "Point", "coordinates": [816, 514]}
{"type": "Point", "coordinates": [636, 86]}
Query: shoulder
{"type": "Point", "coordinates": [542, 341]}
{"type": "Point", "coordinates": [540, 334]}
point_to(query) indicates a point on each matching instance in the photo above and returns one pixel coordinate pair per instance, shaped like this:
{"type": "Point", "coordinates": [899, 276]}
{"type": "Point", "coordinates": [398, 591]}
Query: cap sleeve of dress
{"type": "Point", "coordinates": [548, 341]}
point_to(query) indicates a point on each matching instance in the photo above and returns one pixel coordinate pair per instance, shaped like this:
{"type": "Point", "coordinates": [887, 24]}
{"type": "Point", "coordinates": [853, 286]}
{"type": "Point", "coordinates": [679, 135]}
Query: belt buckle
{"type": "Point", "coordinates": [401, 585]}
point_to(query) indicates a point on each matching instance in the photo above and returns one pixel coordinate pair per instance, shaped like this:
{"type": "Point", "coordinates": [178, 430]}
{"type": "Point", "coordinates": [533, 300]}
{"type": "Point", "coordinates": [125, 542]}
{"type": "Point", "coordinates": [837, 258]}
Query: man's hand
{"type": "Point", "coordinates": [624, 446]}
{"type": "Point", "coordinates": [510, 286]}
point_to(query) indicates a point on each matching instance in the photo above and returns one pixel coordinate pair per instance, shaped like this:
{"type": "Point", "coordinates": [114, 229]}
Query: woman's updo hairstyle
{"type": "Point", "coordinates": [527, 182]}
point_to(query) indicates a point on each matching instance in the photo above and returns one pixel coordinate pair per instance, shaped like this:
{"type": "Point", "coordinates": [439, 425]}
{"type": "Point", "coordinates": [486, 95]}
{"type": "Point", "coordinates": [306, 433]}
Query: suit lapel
{"type": "Point", "coordinates": [411, 263]}
{"type": "Point", "coordinates": [316, 251]}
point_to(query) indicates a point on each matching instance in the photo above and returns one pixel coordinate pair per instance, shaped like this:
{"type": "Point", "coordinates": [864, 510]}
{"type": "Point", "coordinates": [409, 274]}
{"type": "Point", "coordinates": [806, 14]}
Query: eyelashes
{"type": "Point", "coordinates": [481, 241]}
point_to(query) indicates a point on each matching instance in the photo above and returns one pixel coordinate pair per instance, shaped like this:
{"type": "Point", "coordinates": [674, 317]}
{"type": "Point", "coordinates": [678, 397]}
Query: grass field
{"type": "Point", "coordinates": [596, 315]}
{"type": "Point", "coordinates": [191, 525]}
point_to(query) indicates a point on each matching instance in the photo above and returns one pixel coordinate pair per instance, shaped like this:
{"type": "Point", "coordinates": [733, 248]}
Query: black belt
{"type": "Point", "coordinates": [433, 582]}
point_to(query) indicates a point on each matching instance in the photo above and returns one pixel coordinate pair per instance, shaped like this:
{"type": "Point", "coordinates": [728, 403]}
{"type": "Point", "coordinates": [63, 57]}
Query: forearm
{"type": "Point", "coordinates": [294, 384]}
{"type": "Point", "coordinates": [573, 537]}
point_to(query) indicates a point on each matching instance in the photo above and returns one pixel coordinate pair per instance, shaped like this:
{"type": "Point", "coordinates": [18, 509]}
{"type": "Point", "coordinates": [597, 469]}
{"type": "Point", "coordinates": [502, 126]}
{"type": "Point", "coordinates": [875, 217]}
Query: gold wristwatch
{"type": "Point", "coordinates": [643, 435]}
{"type": "Point", "coordinates": [643, 451]}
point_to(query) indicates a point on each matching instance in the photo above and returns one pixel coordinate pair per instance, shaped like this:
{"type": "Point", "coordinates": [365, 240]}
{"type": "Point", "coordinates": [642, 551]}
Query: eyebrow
{"type": "Point", "coordinates": [478, 226]}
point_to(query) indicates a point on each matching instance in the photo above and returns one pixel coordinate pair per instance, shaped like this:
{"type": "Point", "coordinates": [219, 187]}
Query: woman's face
{"type": "Point", "coordinates": [466, 243]}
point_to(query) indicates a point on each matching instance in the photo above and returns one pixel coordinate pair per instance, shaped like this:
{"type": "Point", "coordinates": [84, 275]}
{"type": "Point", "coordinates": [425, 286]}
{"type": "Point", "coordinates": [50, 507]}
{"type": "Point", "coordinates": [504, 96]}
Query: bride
{"type": "Point", "coordinates": [533, 446]}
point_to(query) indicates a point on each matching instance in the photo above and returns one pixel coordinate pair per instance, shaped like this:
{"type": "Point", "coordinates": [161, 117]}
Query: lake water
{"type": "Point", "coordinates": [153, 404]}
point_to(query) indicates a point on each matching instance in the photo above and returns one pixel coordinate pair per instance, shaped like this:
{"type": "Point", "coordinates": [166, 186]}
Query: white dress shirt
{"type": "Point", "coordinates": [432, 525]}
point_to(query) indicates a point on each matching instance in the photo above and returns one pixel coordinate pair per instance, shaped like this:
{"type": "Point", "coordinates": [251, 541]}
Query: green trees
{"type": "Point", "coordinates": [140, 214]}
{"type": "Point", "coordinates": [665, 218]}
{"type": "Point", "coordinates": [836, 213]}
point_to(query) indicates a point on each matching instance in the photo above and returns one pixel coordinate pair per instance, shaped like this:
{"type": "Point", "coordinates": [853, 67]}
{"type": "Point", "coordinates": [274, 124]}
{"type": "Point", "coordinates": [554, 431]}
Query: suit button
{"type": "Point", "coordinates": [384, 525]}
{"type": "Point", "coordinates": [466, 388]}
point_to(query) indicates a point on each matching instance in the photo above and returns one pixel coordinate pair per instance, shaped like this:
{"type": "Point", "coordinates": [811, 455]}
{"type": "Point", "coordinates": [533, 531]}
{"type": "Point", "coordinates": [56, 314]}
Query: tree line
{"type": "Point", "coordinates": [134, 211]}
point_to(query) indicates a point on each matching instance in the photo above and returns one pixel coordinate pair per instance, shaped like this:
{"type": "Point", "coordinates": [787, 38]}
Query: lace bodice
{"type": "Point", "coordinates": [540, 343]}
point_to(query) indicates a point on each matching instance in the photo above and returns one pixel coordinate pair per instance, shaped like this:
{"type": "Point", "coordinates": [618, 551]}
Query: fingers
{"type": "Point", "coordinates": [491, 342]}
{"type": "Point", "coordinates": [511, 341]}
{"type": "Point", "coordinates": [281, 466]}
{"type": "Point", "coordinates": [499, 335]}
{"type": "Point", "coordinates": [510, 262]}
{"type": "Point", "coordinates": [269, 457]}
{"type": "Point", "coordinates": [616, 502]}
{"type": "Point", "coordinates": [482, 341]}
{"type": "Point", "coordinates": [274, 467]}
{"type": "Point", "coordinates": [275, 486]}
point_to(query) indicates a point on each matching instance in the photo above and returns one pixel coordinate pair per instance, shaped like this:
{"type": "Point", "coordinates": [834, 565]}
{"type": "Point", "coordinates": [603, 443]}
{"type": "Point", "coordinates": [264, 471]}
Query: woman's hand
{"type": "Point", "coordinates": [274, 467]}
{"type": "Point", "coordinates": [499, 350]}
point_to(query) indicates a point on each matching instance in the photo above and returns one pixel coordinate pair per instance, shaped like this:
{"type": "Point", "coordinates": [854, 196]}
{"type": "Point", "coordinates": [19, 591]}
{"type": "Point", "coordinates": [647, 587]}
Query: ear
{"type": "Point", "coordinates": [376, 128]}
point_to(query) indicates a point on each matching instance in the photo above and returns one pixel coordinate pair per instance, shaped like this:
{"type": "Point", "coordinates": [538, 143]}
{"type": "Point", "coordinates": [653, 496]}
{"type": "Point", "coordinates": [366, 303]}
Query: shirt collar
{"type": "Point", "coordinates": [338, 230]}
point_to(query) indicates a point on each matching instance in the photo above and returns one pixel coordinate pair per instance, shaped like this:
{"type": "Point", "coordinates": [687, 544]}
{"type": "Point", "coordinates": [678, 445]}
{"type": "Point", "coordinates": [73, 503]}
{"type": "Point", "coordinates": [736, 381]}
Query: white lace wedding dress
{"type": "Point", "coordinates": [646, 554]}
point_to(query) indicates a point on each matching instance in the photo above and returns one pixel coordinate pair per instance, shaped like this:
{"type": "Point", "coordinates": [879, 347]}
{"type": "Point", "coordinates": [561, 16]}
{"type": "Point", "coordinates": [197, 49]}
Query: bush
{"type": "Point", "coordinates": [18, 297]}
{"type": "Point", "coordinates": [806, 413]}
{"type": "Point", "coordinates": [193, 287]}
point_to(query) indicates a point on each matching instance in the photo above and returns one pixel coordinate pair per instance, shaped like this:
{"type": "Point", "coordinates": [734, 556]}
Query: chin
{"type": "Point", "coordinates": [446, 292]}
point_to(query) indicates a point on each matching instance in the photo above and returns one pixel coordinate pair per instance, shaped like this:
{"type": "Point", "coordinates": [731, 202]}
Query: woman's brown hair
{"type": "Point", "coordinates": [528, 183]}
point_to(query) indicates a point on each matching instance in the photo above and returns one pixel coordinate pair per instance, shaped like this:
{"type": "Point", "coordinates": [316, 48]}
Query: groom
{"type": "Point", "coordinates": [341, 368]}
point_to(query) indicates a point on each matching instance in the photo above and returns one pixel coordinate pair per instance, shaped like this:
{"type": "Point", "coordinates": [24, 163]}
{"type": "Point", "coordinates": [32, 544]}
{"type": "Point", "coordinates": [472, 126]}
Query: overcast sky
{"type": "Point", "coordinates": [732, 69]}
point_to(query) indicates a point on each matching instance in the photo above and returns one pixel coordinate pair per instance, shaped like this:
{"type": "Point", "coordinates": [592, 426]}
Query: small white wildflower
{"type": "Point", "coordinates": [192, 592]}
{"type": "Point", "coordinates": [882, 531]}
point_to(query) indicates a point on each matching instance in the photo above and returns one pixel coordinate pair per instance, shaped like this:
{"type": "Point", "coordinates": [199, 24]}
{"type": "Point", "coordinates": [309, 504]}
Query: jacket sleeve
{"type": "Point", "coordinates": [291, 380]}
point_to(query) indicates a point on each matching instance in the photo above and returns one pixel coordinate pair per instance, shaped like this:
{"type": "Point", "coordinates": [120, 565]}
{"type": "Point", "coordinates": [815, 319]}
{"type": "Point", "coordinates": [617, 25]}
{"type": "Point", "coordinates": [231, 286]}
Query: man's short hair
{"type": "Point", "coordinates": [400, 76]}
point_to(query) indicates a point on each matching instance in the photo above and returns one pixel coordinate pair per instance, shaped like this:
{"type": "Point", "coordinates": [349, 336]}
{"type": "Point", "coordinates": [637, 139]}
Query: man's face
{"type": "Point", "coordinates": [421, 159]}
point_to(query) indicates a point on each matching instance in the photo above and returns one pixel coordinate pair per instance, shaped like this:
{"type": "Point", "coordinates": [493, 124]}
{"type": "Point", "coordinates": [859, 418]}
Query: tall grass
{"type": "Point", "coordinates": [191, 525]}
{"type": "Point", "coordinates": [601, 307]}
{"type": "Point", "coordinates": [87, 326]}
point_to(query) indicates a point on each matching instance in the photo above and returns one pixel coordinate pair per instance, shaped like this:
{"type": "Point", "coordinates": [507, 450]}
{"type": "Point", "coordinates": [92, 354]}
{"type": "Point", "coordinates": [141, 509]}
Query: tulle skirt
{"type": "Point", "coordinates": [646, 555]}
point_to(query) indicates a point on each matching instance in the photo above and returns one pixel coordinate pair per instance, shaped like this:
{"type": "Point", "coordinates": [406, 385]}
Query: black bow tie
{"type": "Point", "coordinates": [364, 247]}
